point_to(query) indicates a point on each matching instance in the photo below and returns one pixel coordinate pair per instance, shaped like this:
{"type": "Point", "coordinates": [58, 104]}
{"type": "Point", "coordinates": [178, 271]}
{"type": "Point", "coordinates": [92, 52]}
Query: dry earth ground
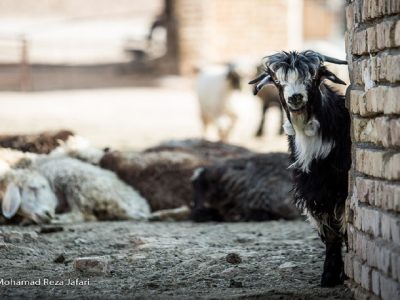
{"type": "Point", "coordinates": [280, 260]}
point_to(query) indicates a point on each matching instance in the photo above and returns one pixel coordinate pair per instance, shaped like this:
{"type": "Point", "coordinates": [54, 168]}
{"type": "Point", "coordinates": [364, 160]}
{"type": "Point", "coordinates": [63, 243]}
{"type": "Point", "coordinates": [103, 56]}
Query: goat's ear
{"type": "Point", "coordinates": [326, 74]}
{"type": "Point", "coordinates": [11, 201]}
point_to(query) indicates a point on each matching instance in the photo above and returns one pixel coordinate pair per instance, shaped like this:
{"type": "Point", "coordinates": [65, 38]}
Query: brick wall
{"type": "Point", "coordinates": [222, 30]}
{"type": "Point", "coordinates": [373, 206]}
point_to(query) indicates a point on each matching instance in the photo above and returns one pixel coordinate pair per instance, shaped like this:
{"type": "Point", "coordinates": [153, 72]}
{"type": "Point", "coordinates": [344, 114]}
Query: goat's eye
{"type": "Point", "coordinates": [277, 82]}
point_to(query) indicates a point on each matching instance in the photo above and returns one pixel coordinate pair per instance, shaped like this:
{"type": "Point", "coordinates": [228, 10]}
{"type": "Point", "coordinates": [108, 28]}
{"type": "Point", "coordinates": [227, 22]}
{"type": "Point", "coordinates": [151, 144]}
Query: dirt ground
{"type": "Point", "coordinates": [279, 260]}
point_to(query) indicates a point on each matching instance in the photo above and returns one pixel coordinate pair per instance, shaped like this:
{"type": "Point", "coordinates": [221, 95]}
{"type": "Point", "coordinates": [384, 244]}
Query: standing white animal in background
{"type": "Point", "coordinates": [215, 85]}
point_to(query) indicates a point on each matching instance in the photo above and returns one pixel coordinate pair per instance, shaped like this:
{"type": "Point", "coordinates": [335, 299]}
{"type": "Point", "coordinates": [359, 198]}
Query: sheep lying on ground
{"type": "Point", "coordinates": [38, 187]}
{"type": "Point", "coordinates": [162, 174]}
{"type": "Point", "coordinates": [163, 178]}
{"type": "Point", "coordinates": [210, 151]}
{"type": "Point", "coordinates": [230, 183]}
{"type": "Point", "coordinates": [251, 188]}
{"type": "Point", "coordinates": [215, 85]}
{"type": "Point", "coordinates": [43, 142]}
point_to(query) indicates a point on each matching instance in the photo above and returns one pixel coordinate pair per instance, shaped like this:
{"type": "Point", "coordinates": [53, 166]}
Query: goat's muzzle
{"type": "Point", "coordinates": [295, 102]}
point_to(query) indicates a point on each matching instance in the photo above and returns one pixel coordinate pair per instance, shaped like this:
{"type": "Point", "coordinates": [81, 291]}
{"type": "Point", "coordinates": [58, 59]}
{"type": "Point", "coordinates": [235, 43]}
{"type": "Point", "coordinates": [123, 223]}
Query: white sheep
{"type": "Point", "coordinates": [215, 85]}
{"type": "Point", "coordinates": [81, 191]}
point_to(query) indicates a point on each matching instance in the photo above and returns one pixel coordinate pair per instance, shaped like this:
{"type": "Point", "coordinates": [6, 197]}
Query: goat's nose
{"type": "Point", "coordinates": [295, 99]}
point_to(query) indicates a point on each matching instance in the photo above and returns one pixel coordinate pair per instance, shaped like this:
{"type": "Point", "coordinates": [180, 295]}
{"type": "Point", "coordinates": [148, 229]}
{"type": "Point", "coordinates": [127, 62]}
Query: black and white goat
{"type": "Point", "coordinates": [318, 129]}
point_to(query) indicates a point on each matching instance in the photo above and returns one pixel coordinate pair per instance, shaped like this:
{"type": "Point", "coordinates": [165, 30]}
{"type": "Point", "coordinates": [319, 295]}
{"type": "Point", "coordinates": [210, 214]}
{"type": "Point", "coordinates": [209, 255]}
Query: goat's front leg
{"type": "Point", "coordinates": [333, 273]}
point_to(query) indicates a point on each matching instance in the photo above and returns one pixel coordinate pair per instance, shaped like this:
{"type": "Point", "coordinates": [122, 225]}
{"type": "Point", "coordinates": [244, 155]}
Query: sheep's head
{"type": "Point", "coordinates": [233, 77]}
{"type": "Point", "coordinates": [29, 195]}
{"type": "Point", "coordinates": [297, 75]}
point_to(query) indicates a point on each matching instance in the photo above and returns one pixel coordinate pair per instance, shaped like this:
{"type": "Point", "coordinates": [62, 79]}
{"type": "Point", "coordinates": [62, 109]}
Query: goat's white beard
{"type": "Point", "coordinates": [308, 141]}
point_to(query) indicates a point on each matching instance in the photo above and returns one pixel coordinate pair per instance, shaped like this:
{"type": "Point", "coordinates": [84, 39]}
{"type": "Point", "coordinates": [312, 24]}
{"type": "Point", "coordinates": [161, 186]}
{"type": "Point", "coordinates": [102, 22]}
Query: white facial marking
{"type": "Point", "coordinates": [308, 143]}
{"type": "Point", "coordinates": [292, 84]}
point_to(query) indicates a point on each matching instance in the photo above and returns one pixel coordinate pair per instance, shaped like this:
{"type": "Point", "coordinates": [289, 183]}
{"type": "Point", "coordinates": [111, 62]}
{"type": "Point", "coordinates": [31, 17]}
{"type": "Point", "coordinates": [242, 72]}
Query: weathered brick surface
{"type": "Point", "coordinates": [377, 100]}
{"type": "Point", "coordinates": [373, 205]}
{"type": "Point", "coordinates": [378, 163]}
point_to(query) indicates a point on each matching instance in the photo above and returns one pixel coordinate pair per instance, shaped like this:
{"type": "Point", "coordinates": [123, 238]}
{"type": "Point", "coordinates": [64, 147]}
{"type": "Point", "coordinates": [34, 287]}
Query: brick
{"type": "Point", "coordinates": [397, 34]}
{"type": "Point", "coordinates": [391, 101]}
{"type": "Point", "coordinates": [393, 70]}
{"type": "Point", "coordinates": [361, 243]}
{"type": "Point", "coordinates": [357, 11]}
{"type": "Point", "coordinates": [371, 221]}
{"type": "Point", "coordinates": [383, 258]}
{"type": "Point", "coordinates": [348, 265]}
{"type": "Point", "coordinates": [372, 253]}
{"type": "Point", "coordinates": [365, 11]}
{"type": "Point", "coordinates": [357, 72]}
{"type": "Point", "coordinates": [366, 277]}
{"type": "Point", "coordinates": [349, 16]}
{"type": "Point", "coordinates": [380, 99]}
{"type": "Point", "coordinates": [372, 45]}
{"type": "Point", "coordinates": [389, 194]}
{"type": "Point", "coordinates": [375, 99]}
{"type": "Point", "coordinates": [395, 229]}
{"type": "Point", "coordinates": [380, 131]}
{"type": "Point", "coordinates": [386, 226]}
{"type": "Point", "coordinates": [359, 44]}
{"type": "Point", "coordinates": [365, 190]}
{"type": "Point", "coordinates": [384, 33]}
{"type": "Point", "coordinates": [356, 101]}
{"type": "Point", "coordinates": [357, 270]}
{"type": "Point", "coordinates": [381, 67]}
{"type": "Point", "coordinates": [394, 130]}
{"type": "Point", "coordinates": [379, 190]}
{"type": "Point", "coordinates": [375, 282]}
{"type": "Point", "coordinates": [395, 265]}
{"type": "Point", "coordinates": [394, 7]}
{"type": "Point", "coordinates": [389, 288]}
{"type": "Point", "coordinates": [378, 163]}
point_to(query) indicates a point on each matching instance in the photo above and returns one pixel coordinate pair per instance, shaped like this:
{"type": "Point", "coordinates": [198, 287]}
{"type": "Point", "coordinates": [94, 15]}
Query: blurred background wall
{"type": "Point", "coordinates": [64, 44]}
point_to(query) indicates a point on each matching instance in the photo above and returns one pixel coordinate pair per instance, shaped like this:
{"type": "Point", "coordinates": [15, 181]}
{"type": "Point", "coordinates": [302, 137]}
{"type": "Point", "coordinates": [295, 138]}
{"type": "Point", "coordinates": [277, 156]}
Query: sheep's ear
{"type": "Point", "coordinates": [326, 74]}
{"type": "Point", "coordinates": [11, 201]}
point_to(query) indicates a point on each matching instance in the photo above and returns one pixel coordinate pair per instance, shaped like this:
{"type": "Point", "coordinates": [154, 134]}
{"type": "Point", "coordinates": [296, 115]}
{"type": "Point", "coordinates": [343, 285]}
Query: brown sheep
{"type": "Point", "coordinates": [42, 143]}
{"type": "Point", "coordinates": [163, 174]}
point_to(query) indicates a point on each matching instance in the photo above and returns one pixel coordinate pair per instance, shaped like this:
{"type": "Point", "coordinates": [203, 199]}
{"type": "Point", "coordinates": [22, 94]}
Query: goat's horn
{"type": "Point", "coordinates": [334, 60]}
{"type": "Point", "coordinates": [259, 78]}
{"type": "Point", "coordinates": [264, 80]}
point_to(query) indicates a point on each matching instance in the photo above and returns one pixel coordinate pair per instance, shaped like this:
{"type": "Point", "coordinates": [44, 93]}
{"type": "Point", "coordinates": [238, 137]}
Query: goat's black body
{"type": "Point", "coordinates": [319, 144]}
{"type": "Point", "coordinates": [324, 188]}
{"type": "Point", "coordinates": [322, 191]}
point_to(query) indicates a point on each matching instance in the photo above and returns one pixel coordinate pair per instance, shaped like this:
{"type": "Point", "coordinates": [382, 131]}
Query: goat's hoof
{"type": "Point", "coordinates": [331, 279]}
